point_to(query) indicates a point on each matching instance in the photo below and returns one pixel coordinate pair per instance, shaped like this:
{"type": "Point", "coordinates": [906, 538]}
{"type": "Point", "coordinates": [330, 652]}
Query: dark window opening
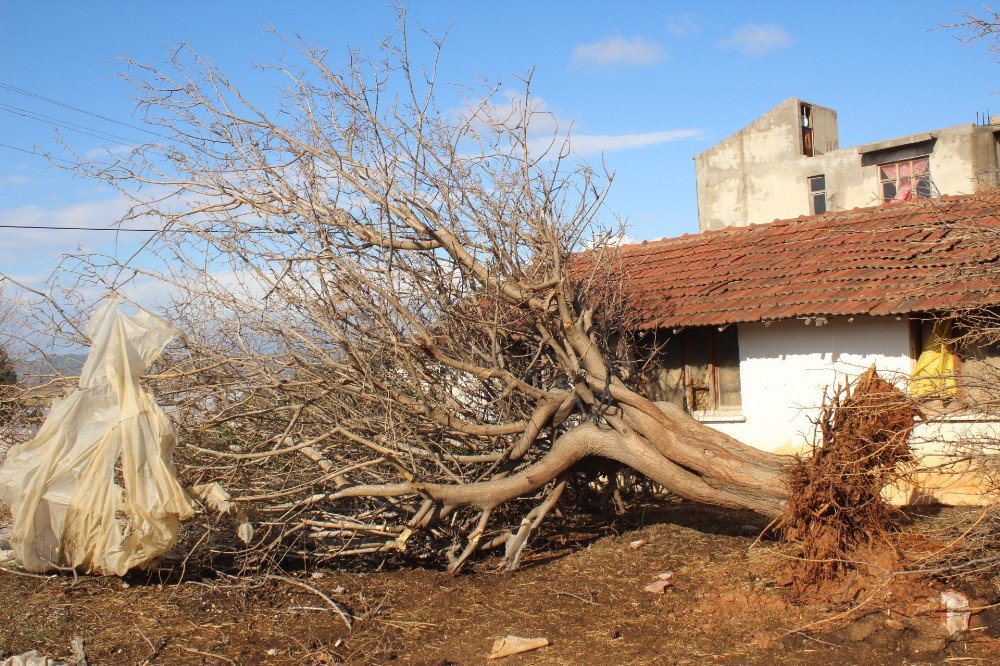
{"type": "Point", "coordinates": [805, 115]}
{"type": "Point", "coordinates": [817, 194]}
{"type": "Point", "coordinates": [697, 369]}
{"type": "Point", "coordinates": [905, 180]}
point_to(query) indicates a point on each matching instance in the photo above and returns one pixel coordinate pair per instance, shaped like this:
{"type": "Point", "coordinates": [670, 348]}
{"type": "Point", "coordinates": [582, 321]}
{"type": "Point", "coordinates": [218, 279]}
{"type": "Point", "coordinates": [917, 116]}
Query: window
{"type": "Point", "coordinates": [817, 194]}
{"type": "Point", "coordinates": [905, 180]}
{"type": "Point", "coordinates": [946, 371]}
{"type": "Point", "coordinates": [805, 115]}
{"type": "Point", "coordinates": [697, 369]}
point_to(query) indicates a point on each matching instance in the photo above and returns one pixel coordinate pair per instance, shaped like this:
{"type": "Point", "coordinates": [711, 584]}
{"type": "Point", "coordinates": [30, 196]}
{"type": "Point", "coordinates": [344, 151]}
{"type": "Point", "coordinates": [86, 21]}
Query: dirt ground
{"type": "Point", "coordinates": [583, 592]}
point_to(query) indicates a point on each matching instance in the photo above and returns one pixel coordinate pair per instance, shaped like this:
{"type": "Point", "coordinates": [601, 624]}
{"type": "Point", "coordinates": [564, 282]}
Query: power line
{"type": "Point", "coordinates": [29, 93]}
{"type": "Point", "coordinates": [44, 226]}
{"type": "Point", "coordinates": [152, 231]}
{"type": "Point", "coordinates": [34, 115]}
{"type": "Point", "coordinates": [98, 134]}
{"type": "Point", "coordinates": [23, 150]}
{"type": "Point", "coordinates": [33, 152]}
{"type": "Point", "coordinates": [64, 124]}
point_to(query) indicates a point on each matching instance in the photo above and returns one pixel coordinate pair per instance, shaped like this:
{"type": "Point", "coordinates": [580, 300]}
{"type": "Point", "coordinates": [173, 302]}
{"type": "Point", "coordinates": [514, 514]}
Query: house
{"type": "Point", "coordinates": [789, 162]}
{"type": "Point", "coordinates": [745, 327]}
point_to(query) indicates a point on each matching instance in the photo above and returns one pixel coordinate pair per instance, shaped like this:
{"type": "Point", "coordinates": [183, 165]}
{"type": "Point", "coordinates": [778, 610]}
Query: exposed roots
{"type": "Point", "coordinates": [836, 510]}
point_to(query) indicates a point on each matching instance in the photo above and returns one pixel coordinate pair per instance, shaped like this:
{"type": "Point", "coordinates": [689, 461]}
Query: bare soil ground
{"type": "Point", "coordinates": [581, 591]}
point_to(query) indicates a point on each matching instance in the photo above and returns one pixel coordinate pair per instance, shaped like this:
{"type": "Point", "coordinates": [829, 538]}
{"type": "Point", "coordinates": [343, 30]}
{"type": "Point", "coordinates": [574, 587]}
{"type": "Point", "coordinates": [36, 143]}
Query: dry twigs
{"type": "Point", "coordinates": [386, 344]}
{"type": "Point", "coordinates": [340, 610]}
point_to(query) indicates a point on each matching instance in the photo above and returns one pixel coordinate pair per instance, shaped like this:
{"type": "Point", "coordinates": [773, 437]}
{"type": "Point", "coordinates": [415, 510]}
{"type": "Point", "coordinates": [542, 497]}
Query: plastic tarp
{"type": "Point", "coordinates": [934, 372]}
{"type": "Point", "coordinates": [96, 490]}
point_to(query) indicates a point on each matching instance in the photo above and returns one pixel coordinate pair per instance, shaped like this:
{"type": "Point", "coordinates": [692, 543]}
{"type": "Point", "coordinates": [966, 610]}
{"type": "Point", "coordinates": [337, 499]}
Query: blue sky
{"type": "Point", "coordinates": [650, 83]}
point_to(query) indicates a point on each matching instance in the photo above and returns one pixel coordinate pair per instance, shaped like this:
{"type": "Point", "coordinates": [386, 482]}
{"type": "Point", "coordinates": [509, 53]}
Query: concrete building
{"type": "Point", "coordinates": [789, 163]}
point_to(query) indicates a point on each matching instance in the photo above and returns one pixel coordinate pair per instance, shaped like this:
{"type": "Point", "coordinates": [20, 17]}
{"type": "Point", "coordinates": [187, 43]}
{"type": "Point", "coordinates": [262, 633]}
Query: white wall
{"type": "Point", "coordinates": [785, 367]}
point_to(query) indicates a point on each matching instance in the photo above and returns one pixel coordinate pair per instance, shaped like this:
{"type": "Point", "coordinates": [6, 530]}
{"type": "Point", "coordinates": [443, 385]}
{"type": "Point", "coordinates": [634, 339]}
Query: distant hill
{"type": "Point", "coordinates": [64, 364]}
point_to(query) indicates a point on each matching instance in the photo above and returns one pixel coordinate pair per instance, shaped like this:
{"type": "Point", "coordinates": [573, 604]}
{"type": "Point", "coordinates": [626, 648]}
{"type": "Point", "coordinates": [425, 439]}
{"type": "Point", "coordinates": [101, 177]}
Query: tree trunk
{"type": "Point", "coordinates": [658, 440]}
{"type": "Point", "coordinates": [672, 449]}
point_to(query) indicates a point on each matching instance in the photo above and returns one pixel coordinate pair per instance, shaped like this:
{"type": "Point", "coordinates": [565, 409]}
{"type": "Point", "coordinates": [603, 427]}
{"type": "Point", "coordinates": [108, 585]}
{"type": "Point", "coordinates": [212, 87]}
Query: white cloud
{"type": "Point", "coordinates": [589, 144]}
{"type": "Point", "coordinates": [17, 180]}
{"type": "Point", "coordinates": [509, 106]}
{"type": "Point", "coordinates": [619, 50]}
{"type": "Point", "coordinates": [109, 151]}
{"type": "Point", "coordinates": [24, 244]}
{"type": "Point", "coordinates": [682, 25]}
{"type": "Point", "coordinates": [549, 132]}
{"type": "Point", "coordinates": [609, 239]}
{"type": "Point", "coordinates": [757, 39]}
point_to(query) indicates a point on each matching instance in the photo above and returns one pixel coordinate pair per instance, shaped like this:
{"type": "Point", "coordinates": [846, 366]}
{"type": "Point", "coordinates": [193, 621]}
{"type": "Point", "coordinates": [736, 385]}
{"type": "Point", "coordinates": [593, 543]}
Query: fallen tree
{"type": "Point", "coordinates": [400, 318]}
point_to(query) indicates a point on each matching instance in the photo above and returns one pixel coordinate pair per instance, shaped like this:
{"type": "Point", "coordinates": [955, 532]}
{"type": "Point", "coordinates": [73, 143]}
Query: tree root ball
{"type": "Point", "coordinates": [836, 511]}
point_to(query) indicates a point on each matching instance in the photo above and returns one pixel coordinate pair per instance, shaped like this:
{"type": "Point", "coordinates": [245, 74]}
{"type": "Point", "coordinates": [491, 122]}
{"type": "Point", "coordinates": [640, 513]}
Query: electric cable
{"type": "Point", "coordinates": [65, 105]}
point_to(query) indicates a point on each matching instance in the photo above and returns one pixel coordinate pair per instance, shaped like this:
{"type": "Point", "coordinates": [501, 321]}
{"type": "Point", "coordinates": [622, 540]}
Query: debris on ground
{"type": "Point", "coordinates": [511, 645]}
{"type": "Point", "coordinates": [956, 611]}
{"type": "Point", "coordinates": [213, 495]}
{"type": "Point", "coordinates": [731, 610]}
{"type": "Point", "coordinates": [636, 544]}
{"type": "Point", "coordinates": [662, 582]}
{"type": "Point", "coordinates": [35, 658]}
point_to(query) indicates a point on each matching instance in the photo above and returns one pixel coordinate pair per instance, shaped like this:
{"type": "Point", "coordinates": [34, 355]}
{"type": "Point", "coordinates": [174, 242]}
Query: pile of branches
{"type": "Point", "coordinates": [836, 510]}
{"type": "Point", "coordinates": [387, 348]}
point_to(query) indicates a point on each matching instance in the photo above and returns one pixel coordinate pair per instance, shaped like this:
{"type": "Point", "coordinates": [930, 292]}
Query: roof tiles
{"type": "Point", "coordinates": [920, 255]}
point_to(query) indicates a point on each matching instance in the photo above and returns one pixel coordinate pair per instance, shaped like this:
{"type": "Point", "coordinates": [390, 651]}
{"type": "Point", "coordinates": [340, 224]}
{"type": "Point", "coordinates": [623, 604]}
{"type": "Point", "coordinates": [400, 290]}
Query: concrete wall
{"type": "Point", "coordinates": [785, 367]}
{"type": "Point", "coordinates": [759, 174]}
{"type": "Point", "coordinates": [736, 177]}
{"type": "Point", "coordinates": [826, 137]}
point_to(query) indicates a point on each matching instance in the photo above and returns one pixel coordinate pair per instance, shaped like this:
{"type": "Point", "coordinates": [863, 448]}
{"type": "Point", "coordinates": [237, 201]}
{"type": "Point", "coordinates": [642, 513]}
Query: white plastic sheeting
{"type": "Point", "coordinates": [96, 489]}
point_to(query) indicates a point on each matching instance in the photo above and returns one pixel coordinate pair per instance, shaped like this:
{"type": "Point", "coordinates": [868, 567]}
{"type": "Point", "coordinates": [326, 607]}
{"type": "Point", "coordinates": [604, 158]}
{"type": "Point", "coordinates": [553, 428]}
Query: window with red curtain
{"type": "Point", "coordinates": [905, 180]}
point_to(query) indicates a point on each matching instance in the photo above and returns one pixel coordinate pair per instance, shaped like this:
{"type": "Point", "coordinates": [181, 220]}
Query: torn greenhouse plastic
{"type": "Point", "coordinates": [96, 489]}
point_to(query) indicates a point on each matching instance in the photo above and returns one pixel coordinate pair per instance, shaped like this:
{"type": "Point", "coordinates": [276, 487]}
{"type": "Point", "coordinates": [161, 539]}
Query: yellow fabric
{"type": "Point", "coordinates": [71, 508]}
{"type": "Point", "coordinates": [934, 374]}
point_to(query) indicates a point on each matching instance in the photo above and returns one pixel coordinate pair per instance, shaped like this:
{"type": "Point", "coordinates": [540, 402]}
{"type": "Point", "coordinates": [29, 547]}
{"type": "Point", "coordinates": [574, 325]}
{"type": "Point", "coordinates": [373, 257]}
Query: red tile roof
{"type": "Point", "coordinates": [907, 257]}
